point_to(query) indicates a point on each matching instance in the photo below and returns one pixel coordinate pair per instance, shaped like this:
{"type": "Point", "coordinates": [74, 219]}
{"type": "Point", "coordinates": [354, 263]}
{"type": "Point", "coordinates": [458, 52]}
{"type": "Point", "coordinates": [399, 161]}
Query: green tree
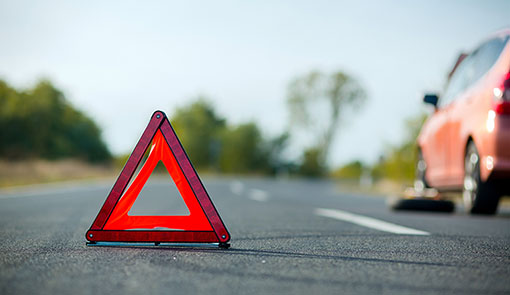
{"type": "Point", "coordinates": [317, 103]}
{"type": "Point", "coordinates": [311, 165]}
{"type": "Point", "coordinates": [398, 163]}
{"type": "Point", "coordinates": [212, 144]}
{"type": "Point", "coordinates": [352, 170]}
{"type": "Point", "coordinates": [40, 122]}
{"type": "Point", "coordinates": [274, 150]}
{"type": "Point", "coordinates": [199, 129]}
{"type": "Point", "coordinates": [242, 150]}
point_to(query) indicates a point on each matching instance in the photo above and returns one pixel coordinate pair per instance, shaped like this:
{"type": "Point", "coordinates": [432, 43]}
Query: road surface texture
{"type": "Point", "coordinates": [288, 237]}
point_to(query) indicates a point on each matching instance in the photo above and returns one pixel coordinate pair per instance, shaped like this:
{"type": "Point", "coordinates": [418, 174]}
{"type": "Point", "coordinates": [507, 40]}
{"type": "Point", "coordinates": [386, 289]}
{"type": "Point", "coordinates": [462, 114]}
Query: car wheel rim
{"type": "Point", "coordinates": [471, 179]}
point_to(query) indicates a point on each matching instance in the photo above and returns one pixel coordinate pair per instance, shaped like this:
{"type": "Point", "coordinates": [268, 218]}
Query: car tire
{"type": "Point", "coordinates": [479, 197]}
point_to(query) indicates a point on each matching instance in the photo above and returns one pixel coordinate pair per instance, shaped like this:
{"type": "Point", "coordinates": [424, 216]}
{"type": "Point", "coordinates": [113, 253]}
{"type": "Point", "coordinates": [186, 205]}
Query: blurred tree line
{"type": "Point", "coordinates": [40, 123]}
{"type": "Point", "coordinates": [352, 170]}
{"type": "Point", "coordinates": [317, 102]}
{"type": "Point", "coordinates": [398, 161]}
{"type": "Point", "coordinates": [213, 144]}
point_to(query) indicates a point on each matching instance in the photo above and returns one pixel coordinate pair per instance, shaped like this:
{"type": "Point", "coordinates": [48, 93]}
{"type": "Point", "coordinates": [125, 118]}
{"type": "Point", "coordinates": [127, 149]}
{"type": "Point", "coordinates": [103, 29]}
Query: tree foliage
{"type": "Point", "coordinates": [199, 129]}
{"type": "Point", "coordinates": [40, 122]}
{"type": "Point", "coordinates": [212, 144]}
{"type": "Point", "coordinates": [351, 170]}
{"type": "Point", "coordinates": [398, 163]}
{"type": "Point", "coordinates": [242, 150]}
{"type": "Point", "coordinates": [311, 165]}
{"type": "Point", "coordinates": [318, 103]}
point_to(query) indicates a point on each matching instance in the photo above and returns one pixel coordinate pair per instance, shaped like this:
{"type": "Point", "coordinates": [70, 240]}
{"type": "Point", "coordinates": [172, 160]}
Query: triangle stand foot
{"type": "Point", "coordinates": [224, 245]}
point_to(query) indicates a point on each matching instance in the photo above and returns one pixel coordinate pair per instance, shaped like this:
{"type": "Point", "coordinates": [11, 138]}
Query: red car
{"type": "Point", "coordinates": [465, 144]}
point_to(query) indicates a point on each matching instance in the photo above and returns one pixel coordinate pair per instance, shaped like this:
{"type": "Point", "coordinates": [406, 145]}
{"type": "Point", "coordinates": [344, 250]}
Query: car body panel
{"type": "Point", "coordinates": [433, 151]}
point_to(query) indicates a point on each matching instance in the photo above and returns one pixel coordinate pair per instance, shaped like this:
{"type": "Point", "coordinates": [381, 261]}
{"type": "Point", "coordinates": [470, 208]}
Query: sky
{"type": "Point", "coordinates": [119, 61]}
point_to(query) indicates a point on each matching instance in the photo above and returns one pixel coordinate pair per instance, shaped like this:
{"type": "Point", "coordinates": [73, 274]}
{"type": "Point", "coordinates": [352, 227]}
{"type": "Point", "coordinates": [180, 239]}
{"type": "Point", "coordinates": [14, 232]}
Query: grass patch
{"type": "Point", "coordinates": [14, 173]}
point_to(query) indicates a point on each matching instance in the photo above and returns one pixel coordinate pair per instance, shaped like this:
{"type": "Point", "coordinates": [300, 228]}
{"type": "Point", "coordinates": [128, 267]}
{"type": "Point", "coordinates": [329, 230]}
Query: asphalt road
{"type": "Point", "coordinates": [288, 237]}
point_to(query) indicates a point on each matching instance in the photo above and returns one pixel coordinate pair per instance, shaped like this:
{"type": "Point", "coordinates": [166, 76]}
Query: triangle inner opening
{"type": "Point", "coordinates": [159, 196]}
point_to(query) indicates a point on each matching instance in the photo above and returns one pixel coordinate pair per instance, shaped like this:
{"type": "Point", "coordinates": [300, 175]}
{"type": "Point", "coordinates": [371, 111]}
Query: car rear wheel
{"type": "Point", "coordinates": [479, 197]}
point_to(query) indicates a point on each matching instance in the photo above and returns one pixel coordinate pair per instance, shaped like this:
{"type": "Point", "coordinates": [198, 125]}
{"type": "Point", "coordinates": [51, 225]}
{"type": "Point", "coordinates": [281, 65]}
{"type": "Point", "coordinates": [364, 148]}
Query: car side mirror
{"type": "Point", "coordinates": [431, 98]}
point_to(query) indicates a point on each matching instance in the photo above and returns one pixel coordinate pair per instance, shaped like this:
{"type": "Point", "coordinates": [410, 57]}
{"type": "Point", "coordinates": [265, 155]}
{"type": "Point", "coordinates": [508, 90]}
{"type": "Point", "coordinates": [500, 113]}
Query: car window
{"type": "Point", "coordinates": [473, 68]}
{"type": "Point", "coordinates": [487, 55]}
{"type": "Point", "coordinates": [459, 80]}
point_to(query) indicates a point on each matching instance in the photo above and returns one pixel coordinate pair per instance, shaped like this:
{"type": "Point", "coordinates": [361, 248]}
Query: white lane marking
{"type": "Point", "coordinates": [369, 222]}
{"type": "Point", "coordinates": [258, 195]}
{"type": "Point", "coordinates": [237, 187]}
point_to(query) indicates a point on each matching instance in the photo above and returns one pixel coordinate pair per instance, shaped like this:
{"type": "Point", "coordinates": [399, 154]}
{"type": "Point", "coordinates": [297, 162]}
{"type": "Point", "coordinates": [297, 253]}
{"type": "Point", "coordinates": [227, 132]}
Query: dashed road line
{"type": "Point", "coordinates": [237, 187]}
{"type": "Point", "coordinates": [369, 222]}
{"type": "Point", "coordinates": [258, 195]}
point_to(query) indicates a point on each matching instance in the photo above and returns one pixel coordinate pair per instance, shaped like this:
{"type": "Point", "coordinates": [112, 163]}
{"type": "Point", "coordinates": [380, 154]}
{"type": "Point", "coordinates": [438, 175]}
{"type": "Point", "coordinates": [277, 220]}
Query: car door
{"type": "Point", "coordinates": [434, 146]}
{"type": "Point", "coordinates": [460, 110]}
{"type": "Point", "coordinates": [439, 164]}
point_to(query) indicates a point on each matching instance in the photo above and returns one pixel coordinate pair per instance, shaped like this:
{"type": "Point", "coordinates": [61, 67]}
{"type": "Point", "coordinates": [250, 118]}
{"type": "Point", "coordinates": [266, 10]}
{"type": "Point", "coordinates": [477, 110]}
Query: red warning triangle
{"type": "Point", "coordinates": [202, 225]}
